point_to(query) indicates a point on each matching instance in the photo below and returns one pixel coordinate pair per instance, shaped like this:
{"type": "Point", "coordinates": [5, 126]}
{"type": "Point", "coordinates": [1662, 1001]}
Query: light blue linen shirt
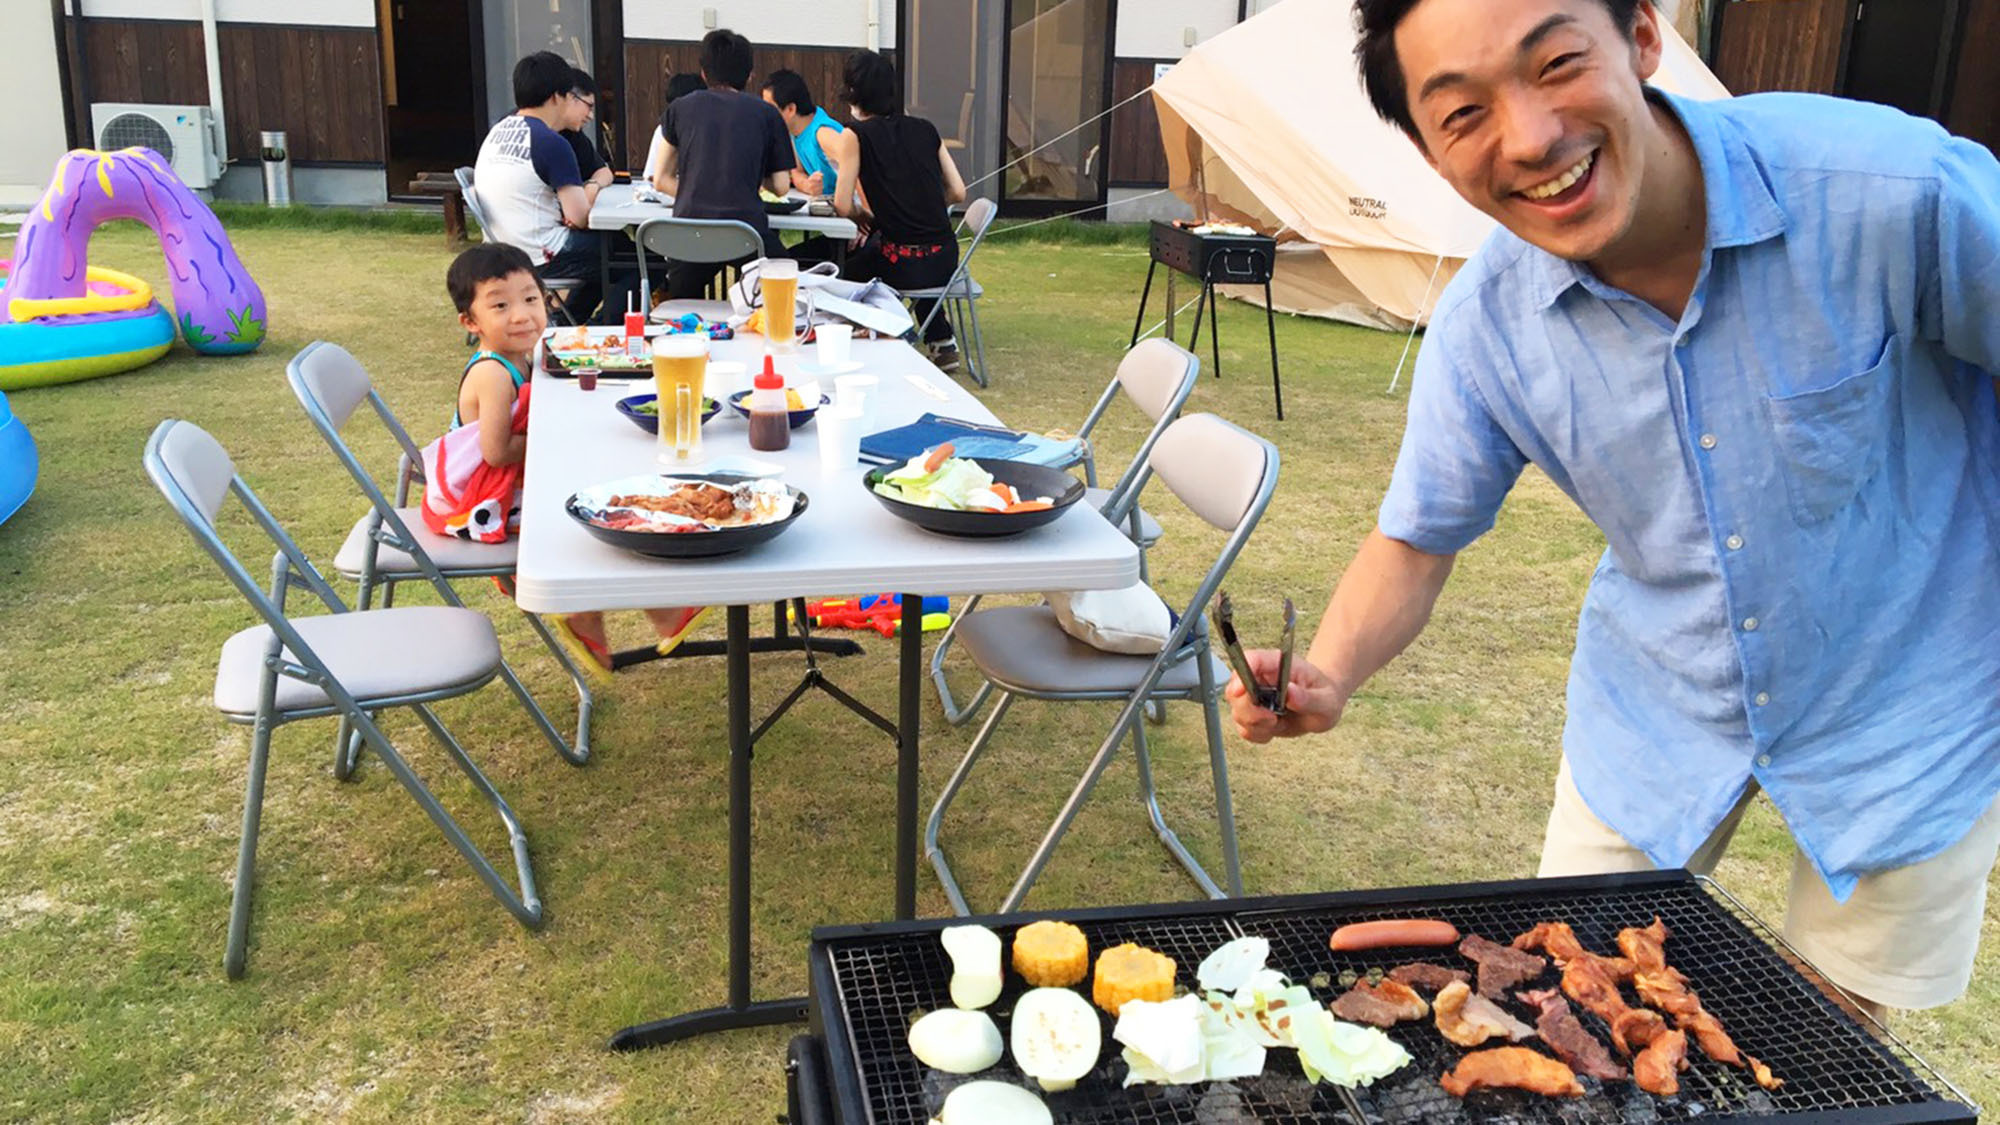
{"type": "Point", "coordinates": [1798, 483]}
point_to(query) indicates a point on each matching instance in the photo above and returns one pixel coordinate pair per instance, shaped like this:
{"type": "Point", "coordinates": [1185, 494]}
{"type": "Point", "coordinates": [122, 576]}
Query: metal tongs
{"type": "Point", "coordinates": [1271, 699]}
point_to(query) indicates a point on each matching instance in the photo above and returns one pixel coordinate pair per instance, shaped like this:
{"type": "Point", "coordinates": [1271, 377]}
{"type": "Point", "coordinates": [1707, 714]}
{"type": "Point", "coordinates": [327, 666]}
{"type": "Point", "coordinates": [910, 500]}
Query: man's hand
{"type": "Point", "coordinates": [815, 185]}
{"type": "Point", "coordinates": [1312, 704]}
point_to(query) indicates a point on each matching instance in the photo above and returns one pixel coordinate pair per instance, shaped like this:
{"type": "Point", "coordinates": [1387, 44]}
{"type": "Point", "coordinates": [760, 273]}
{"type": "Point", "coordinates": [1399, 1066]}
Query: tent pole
{"type": "Point", "coordinates": [1414, 322]}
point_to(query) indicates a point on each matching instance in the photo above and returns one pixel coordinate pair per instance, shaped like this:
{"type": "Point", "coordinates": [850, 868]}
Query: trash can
{"type": "Point", "coordinates": [277, 158]}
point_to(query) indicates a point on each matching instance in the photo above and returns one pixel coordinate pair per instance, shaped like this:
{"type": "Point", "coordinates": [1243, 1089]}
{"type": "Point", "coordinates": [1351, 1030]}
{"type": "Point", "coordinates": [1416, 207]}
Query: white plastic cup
{"type": "Point", "coordinates": [856, 393]}
{"type": "Point", "coordinates": [725, 378]}
{"type": "Point", "coordinates": [840, 427]}
{"type": "Point", "coordinates": [834, 343]}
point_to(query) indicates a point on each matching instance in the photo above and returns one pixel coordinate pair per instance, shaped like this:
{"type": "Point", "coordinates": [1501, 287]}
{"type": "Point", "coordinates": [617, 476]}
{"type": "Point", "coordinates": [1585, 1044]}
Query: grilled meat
{"type": "Point", "coordinates": [1561, 944]}
{"type": "Point", "coordinates": [1382, 1005]}
{"type": "Point", "coordinates": [1592, 981]}
{"type": "Point", "coordinates": [1565, 1035]}
{"type": "Point", "coordinates": [1424, 975]}
{"type": "Point", "coordinates": [1664, 987]}
{"type": "Point", "coordinates": [1468, 1019]}
{"type": "Point", "coordinates": [1513, 1067]}
{"type": "Point", "coordinates": [1501, 969]}
{"type": "Point", "coordinates": [1657, 1068]}
{"type": "Point", "coordinates": [704, 502]}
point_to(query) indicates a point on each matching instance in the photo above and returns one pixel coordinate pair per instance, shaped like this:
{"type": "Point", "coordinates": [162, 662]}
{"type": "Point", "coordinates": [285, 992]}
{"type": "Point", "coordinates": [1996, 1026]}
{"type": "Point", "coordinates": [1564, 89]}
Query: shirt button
{"type": "Point", "coordinates": [1750, 624]}
{"type": "Point", "coordinates": [1763, 759]}
{"type": "Point", "coordinates": [1734, 542]}
{"type": "Point", "coordinates": [1708, 441]}
{"type": "Point", "coordinates": [1761, 698]}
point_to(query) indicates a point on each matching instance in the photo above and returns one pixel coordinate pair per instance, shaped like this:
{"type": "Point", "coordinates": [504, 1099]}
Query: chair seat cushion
{"type": "Point", "coordinates": [1149, 528]}
{"type": "Point", "coordinates": [1022, 648]}
{"type": "Point", "coordinates": [375, 654]}
{"type": "Point", "coordinates": [449, 552]}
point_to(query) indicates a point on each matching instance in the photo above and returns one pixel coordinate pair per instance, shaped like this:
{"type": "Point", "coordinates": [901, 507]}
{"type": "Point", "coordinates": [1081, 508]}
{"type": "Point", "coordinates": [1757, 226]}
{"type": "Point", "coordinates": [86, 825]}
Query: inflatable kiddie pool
{"type": "Point", "coordinates": [66, 319]}
{"type": "Point", "coordinates": [18, 462]}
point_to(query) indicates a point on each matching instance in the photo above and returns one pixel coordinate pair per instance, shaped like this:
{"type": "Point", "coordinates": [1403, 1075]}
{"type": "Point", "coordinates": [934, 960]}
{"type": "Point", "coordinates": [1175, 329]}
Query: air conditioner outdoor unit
{"type": "Point", "coordinates": [185, 134]}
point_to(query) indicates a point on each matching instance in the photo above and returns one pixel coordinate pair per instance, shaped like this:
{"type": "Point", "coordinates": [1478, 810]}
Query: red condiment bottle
{"type": "Point", "coordinates": [770, 421]}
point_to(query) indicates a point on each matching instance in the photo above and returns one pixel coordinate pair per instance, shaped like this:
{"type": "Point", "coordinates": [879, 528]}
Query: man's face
{"type": "Point", "coordinates": [1533, 111]}
{"type": "Point", "coordinates": [787, 112]}
{"type": "Point", "coordinates": [579, 110]}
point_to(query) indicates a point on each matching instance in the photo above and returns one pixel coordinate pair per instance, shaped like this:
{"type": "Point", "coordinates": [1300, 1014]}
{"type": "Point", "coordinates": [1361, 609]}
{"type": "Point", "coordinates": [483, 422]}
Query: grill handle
{"type": "Point", "coordinates": [805, 1083]}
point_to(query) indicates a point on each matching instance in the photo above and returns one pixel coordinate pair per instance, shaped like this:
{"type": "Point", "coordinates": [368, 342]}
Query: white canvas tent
{"type": "Point", "coordinates": [1267, 125]}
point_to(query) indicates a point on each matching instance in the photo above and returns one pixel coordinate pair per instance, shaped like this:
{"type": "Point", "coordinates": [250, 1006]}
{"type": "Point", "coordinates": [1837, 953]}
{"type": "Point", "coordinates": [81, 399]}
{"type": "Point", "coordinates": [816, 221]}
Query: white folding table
{"type": "Point", "coordinates": [844, 543]}
{"type": "Point", "coordinates": [616, 209]}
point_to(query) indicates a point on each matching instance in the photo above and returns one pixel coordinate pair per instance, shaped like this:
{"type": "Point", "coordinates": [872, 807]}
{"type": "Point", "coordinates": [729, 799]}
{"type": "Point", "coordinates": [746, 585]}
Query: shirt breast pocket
{"type": "Point", "coordinates": [1832, 440]}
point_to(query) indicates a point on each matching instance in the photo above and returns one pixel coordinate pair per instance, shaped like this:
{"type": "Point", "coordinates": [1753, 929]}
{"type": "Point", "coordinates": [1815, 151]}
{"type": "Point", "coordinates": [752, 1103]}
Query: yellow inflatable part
{"type": "Point", "coordinates": [137, 295]}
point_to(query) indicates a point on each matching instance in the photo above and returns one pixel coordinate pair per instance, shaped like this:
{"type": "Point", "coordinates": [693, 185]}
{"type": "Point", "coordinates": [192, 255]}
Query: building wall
{"type": "Point", "coordinates": [326, 13]}
{"type": "Point", "coordinates": [804, 23]}
{"type": "Point", "coordinates": [31, 131]}
{"type": "Point", "coordinates": [1157, 29]}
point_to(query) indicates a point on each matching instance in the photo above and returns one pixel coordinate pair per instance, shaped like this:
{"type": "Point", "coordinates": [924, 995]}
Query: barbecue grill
{"type": "Point", "coordinates": [868, 982]}
{"type": "Point", "coordinates": [1212, 259]}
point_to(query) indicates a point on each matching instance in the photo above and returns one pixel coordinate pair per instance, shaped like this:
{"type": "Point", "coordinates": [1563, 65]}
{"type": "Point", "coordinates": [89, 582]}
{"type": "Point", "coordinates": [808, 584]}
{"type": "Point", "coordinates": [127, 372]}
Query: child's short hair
{"type": "Point", "coordinates": [484, 261]}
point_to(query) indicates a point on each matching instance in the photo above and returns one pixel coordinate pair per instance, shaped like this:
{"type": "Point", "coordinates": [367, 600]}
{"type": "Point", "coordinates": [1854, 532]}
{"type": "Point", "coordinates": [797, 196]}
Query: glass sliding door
{"type": "Point", "coordinates": [516, 28]}
{"type": "Point", "coordinates": [1058, 86]}
{"type": "Point", "coordinates": [951, 78]}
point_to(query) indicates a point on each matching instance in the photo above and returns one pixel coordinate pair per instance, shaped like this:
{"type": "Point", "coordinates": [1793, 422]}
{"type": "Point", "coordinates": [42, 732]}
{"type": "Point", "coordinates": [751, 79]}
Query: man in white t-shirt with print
{"type": "Point", "coordinates": [534, 196]}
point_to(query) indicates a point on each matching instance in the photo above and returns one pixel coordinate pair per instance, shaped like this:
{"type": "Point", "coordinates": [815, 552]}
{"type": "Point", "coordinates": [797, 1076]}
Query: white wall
{"type": "Point", "coordinates": [1157, 29]}
{"type": "Point", "coordinates": [326, 13]}
{"type": "Point", "coordinates": [31, 132]}
{"type": "Point", "coordinates": [791, 23]}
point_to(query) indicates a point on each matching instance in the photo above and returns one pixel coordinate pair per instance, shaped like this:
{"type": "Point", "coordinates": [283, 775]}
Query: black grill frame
{"type": "Point", "coordinates": [867, 980]}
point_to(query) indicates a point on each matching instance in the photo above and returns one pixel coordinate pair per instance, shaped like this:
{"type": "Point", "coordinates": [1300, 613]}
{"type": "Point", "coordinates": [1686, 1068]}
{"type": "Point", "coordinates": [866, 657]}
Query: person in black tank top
{"type": "Point", "coordinates": [906, 179]}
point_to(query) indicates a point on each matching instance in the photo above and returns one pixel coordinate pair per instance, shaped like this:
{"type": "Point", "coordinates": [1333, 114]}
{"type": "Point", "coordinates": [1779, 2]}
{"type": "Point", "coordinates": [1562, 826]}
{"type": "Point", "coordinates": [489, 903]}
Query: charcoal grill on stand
{"type": "Point", "coordinates": [1212, 259]}
{"type": "Point", "coordinates": [868, 981]}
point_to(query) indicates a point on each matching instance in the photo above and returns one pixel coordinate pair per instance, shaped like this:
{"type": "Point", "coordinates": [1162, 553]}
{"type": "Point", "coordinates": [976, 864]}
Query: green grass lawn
{"type": "Point", "coordinates": [385, 985]}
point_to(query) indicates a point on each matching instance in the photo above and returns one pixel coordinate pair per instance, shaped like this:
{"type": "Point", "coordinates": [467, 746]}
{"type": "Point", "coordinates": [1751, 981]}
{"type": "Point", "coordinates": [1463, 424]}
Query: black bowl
{"type": "Point", "coordinates": [629, 407]}
{"type": "Point", "coordinates": [740, 403]}
{"type": "Point", "coordinates": [1023, 478]}
{"type": "Point", "coordinates": [784, 206]}
{"type": "Point", "coordinates": [693, 544]}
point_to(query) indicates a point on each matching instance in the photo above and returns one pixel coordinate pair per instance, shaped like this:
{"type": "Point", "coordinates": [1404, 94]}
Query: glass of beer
{"type": "Point", "coordinates": [680, 361]}
{"type": "Point", "coordinates": [778, 281]}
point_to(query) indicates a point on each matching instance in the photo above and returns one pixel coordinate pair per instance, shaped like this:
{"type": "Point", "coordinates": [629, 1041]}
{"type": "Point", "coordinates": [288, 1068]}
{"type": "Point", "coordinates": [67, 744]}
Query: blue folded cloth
{"type": "Point", "coordinates": [968, 439]}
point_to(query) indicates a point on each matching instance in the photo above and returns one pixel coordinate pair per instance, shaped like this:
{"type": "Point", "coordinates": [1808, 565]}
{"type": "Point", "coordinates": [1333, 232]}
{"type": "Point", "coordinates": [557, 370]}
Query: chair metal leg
{"type": "Point", "coordinates": [237, 951]}
{"type": "Point", "coordinates": [346, 743]}
{"type": "Point", "coordinates": [953, 713]}
{"type": "Point", "coordinates": [1149, 798]}
{"type": "Point", "coordinates": [1218, 768]}
{"type": "Point", "coordinates": [933, 850]}
{"type": "Point", "coordinates": [585, 701]}
{"type": "Point", "coordinates": [541, 717]}
{"type": "Point", "coordinates": [979, 374]}
{"type": "Point", "coordinates": [525, 906]}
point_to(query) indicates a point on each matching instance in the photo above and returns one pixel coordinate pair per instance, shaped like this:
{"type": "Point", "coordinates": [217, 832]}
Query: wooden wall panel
{"type": "Point", "coordinates": [322, 85]}
{"type": "Point", "coordinates": [1975, 99]}
{"type": "Point", "coordinates": [1780, 45]}
{"type": "Point", "coordinates": [648, 63]}
{"type": "Point", "coordinates": [1136, 159]}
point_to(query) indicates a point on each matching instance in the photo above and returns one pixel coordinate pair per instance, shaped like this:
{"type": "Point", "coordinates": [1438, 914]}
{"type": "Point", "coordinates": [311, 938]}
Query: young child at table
{"type": "Point", "coordinates": [473, 473]}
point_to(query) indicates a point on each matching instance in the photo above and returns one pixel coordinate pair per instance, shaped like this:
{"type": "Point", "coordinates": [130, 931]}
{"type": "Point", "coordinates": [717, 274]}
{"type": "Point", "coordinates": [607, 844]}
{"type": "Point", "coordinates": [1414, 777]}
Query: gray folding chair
{"type": "Point", "coordinates": [1226, 476]}
{"type": "Point", "coordinates": [562, 287]}
{"type": "Point", "coordinates": [704, 241]}
{"type": "Point", "coordinates": [1157, 375]}
{"type": "Point", "coordinates": [958, 297]}
{"type": "Point", "coordinates": [390, 544]}
{"type": "Point", "coordinates": [350, 663]}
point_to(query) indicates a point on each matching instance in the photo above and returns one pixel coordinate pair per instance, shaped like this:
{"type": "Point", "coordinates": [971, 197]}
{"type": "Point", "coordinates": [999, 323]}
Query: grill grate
{"type": "Point", "coordinates": [882, 980]}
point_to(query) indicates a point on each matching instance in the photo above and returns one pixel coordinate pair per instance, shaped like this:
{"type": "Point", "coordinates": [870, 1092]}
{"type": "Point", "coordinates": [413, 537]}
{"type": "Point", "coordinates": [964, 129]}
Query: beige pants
{"type": "Point", "coordinates": [1905, 938]}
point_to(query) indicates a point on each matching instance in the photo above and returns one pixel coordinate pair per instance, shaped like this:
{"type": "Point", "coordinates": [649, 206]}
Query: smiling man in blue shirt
{"type": "Point", "coordinates": [1755, 341]}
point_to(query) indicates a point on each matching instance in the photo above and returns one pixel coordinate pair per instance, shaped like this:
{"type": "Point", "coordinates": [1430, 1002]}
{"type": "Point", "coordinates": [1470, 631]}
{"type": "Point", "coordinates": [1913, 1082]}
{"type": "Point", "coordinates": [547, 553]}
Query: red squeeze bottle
{"type": "Point", "coordinates": [770, 422]}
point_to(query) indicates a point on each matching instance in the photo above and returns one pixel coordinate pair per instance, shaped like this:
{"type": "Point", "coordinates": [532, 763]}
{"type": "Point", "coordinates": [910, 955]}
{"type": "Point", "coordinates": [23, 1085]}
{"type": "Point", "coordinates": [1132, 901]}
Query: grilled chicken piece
{"type": "Point", "coordinates": [1592, 981]}
{"type": "Point", "coordinates": [1500, 968]}
{"type": "Point", "coordinates": [1657, 1068]}
{"type": "Point", "coordinates": [1666, 988]}
{"type": "Point", "coordinates": [1636, 1027]}
{"type": "Point", "coordinates": [1561, 944]}
{"type": "Point", "coordinates": [1468, 1019]}
{"type": "Point", "coordinates": [1382, 1005]}
{"type": "Point", "coordinates": [1517, 1068]}
{"type": "Point", "coordinates": [1424, 975]}
{"type": "Point", "coordinates": [1572, 1043]}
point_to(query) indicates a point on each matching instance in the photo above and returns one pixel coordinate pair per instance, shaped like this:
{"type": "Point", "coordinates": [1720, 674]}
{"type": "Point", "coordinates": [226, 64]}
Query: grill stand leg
{"type": "Point", "coordinates": [1271, 328]}
{"type": "Point", "coordinates": [741, 1011]}
{"type": "Point", "coordinates": [1144, 294]}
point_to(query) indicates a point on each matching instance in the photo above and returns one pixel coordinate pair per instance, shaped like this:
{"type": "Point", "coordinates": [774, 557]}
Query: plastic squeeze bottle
{"type": "Point", "coordinates": [770, 421]}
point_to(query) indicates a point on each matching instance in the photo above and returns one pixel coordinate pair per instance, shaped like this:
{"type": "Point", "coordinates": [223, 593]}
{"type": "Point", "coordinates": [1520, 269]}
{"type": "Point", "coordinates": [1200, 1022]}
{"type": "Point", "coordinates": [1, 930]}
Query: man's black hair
{"type": "Point", "coordinates": [1376, 21]}
{"type": "Point", "coordinates": [869, 84]}
{"type": "Point", "coordinates": [539, 77]}
{"type": "Point", "coordinates": [581, 83]}
{"type": "Point", "coordinates": [683, 83]}
{"type": "Point", "coordinates": [726, 58]}
{"type": "Point", "coordinates": [789, 89]}
{"type": "Point", "coordinates": [483, 261]}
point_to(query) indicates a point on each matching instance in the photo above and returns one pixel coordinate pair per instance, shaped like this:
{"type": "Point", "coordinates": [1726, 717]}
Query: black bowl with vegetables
{"type": "Point", "coordinates": [1030, 482]}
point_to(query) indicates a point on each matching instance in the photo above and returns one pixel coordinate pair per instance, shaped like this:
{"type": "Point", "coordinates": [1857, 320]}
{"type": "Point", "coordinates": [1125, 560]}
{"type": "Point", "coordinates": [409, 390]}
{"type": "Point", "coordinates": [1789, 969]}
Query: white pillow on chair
{"type": "Point", "coordinates": [1133, 620]}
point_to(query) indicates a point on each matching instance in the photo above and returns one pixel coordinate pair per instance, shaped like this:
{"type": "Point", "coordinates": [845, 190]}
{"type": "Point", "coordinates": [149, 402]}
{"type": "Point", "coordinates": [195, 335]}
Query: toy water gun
{"type": "Point", "coordinates": [880, 612]}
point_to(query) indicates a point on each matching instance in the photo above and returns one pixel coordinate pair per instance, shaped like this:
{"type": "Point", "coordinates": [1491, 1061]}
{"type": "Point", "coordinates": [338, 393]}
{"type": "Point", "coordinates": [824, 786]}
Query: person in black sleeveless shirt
{"type": "Point", "coordinates": [906, 179]}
